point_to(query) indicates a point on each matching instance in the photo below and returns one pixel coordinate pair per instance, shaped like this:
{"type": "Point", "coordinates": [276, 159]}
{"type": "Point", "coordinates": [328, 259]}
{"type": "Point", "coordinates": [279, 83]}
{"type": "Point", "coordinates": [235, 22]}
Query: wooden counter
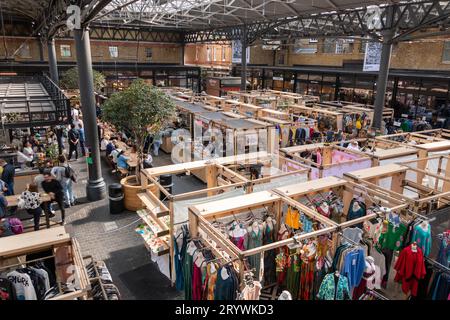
{"type": "Point", "coordinates": [376, 172]}
{"type": "Point", "coordinates": [26, 243]}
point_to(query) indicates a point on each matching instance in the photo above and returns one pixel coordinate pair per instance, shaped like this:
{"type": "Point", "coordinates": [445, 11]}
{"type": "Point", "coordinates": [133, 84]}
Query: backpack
{"type": "Point", "coordinates": [70, 173]}
{"type": "Point", "coordinates": [15, 225]}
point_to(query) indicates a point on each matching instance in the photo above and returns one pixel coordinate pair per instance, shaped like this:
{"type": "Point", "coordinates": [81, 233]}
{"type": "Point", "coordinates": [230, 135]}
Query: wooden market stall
{"type": "Point", "coordinates": [222, 180]}
{"type": "Point", "coordinates": [242, 108]}
{"type": "Point", "coordinates": [207, 222]}
{"type": "Point", "coordinates": [51, 246]}
{"type": "Point", "coordinates": [423, 190]}
{"type": "Point", "coordinates": [332, 117]}
{"type": "Point", "coordinates": [327, 159]}
{"type": "Point", "coordinates": [256, 206]}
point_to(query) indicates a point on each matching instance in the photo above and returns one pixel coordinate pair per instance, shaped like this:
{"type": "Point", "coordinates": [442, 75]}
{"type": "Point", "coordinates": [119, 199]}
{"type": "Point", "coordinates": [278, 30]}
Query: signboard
{"type": "Point", "coordinates": [372, 57]}
{"type": "Point", "coordinates": [236, 48]}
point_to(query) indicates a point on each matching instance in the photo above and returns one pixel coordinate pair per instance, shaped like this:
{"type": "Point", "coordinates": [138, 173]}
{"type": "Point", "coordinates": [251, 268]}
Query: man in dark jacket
{"type": "Point", "coordinates": [8, 176]}
{"type": "Point", "coordinates": [55, 190]}
{"type": "Point", "coordinates": [74, 138]}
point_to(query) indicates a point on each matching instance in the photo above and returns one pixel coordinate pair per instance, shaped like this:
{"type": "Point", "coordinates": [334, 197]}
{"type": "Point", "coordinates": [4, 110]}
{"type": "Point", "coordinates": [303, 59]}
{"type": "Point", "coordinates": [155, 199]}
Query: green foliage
{"type": "Point", "coordinates": [70, 79]}
{"type": "Point", "coordinates": [141, 108]}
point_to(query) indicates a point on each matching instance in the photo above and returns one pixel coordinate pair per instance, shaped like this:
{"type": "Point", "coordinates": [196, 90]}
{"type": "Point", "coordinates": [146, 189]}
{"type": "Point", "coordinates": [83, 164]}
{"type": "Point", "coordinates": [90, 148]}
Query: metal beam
{"type": "Point", "coordinates": [52, 63]}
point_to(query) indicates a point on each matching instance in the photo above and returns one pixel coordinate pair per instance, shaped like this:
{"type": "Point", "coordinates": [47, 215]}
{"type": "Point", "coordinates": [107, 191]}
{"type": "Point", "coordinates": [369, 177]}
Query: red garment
{"type": "Point", "coordinates": [196, 283]}
{"type": "Point", "coordinates": [410, 268]}
{"type": "Point", "coordinates": [239, 242]}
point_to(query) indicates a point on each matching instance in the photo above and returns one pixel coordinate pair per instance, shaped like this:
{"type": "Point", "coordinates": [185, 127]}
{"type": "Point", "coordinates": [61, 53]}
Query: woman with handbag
{"type": "Point", "coordinates": [31, 201]}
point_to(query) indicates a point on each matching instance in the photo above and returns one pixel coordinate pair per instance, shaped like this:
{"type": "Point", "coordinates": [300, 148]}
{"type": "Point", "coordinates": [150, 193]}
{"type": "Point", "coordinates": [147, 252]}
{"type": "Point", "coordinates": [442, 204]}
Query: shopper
{"type": "Point", "coordinates": [39, 178]}
{"type": "Point", "coordinates": [8, 176]}
{"type": "Point", "coordinates": [64, 174]}
{"type": "Point", "coordinates": [353, 145]}
{"type": "Point", "coordinates": [82, 139]}
{"type": "Point", "coordinates": [157, 140]}
{"type": "Point", "coordinates": [55, 191]}
{"type": "Point", "coordinates": [78, 121]}
{"type": "Point", "coordinates": [32, 203]}
{"type": "Point", "coordinates": [74, 138]}
{"type": "Point", "coordinates": [3, 206]}
{"type": "Point", "coordinates": [148, 159]}
{"type": "Point", "coordinates": [60, 132]}
{"type": "Point", "coordinates": [110, 147]}
{"type": "Point", "coordinates": [104, 143]}
{"type": "Point", "coordinates": [98, 110]}
{"type": "Point", "coordinates": [122, 160]}
{"type": "Point", "coordinates": [75, 113]}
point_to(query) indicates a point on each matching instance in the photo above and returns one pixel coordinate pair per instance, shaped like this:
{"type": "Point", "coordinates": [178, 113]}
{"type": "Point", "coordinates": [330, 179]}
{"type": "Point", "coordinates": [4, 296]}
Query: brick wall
{"type": "Point", "coordinates": [198, 54]}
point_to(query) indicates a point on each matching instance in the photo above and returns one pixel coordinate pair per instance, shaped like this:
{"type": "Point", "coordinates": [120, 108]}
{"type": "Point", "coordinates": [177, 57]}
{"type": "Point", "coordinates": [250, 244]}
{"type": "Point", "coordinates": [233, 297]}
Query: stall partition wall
{"type": "Point", "coordinates": [400, 181]}
{"type": "Point", "coordinates": [335, 161]}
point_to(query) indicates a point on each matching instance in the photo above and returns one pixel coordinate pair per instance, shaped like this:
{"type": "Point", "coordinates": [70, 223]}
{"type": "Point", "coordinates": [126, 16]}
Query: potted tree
{"type": "Point", "coordinates": [141, 109]}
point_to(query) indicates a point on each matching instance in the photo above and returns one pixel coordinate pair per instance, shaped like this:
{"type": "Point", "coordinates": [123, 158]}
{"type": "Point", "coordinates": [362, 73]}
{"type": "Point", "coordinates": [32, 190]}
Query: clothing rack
{"type": "Point", "coordinates": [25, 262]}
{"type": "Point", "coordinates": [376, 294]}
{"type": "Point", "coordinates": [349, 240]}
{"type": "Point", "coordinates": [438, 265]}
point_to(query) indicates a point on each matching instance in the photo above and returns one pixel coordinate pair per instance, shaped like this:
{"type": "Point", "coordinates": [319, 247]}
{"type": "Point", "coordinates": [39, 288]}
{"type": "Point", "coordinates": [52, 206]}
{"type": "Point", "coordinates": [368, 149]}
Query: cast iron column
{"type": "Point", "coordinates": [383, 74]}
{"type": "Point", "coordinates": [52, 64]}
{"type": "Point", "coordinates": [96, 188]}
{"type": "Point", "coordinates": [244, 59]}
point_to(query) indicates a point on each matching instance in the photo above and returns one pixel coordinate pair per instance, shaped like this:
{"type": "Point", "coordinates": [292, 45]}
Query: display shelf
{"type": "Point", "coordinates": [158, 227]}
{"type": "Point", "coordinates": [152, 203]}
{"type": "Point", "coordinates": [157, 245]}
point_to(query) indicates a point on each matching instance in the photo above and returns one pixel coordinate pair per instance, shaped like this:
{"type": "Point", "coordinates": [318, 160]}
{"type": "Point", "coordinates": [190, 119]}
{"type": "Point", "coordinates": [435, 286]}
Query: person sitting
{"type": "Point", "coordinates": [148, 159]}
{"type": "Point", "coordinates": [110, 147]}
{"type": "Point", "coordinates": [32, 203]}
{"type": "Point", "coordinates": [114, 154]}
{"type": "Point", "coordinates": [104, 143]}
{"type": "Point", "coordinates": [122, 160]}
{"type": "Point", "coordinates": [353, 145]}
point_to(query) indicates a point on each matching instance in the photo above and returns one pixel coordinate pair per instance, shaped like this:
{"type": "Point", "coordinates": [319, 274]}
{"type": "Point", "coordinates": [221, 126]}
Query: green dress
{"type": "Point", "coordinates": [293, 275]}
{"type": "Point", "coordinates": [254, 240]}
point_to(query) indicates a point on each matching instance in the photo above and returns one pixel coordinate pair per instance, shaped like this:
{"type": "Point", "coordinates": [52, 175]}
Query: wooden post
{"type": "Point", "coordinates": [346, 198]}
{"type": "Point", "coordinates": [397, 182]}
{"type": "Point", "coordinates": [193, 224]}
{"type": "Point", "coordinates": [327, 153]}
{"type": "Point", "coordinates": [171, 252]}
{"type": "Point", "coordinates": [421, 164]}
{"type": "Point", "coordinates": [446, 186]}
{"type": "Point", "coordinates": [211, 178]}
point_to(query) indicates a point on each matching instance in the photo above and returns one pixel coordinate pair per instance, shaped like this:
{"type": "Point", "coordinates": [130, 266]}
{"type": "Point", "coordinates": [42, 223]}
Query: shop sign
{"type": "Point", "coordinates": [372, 57]}
{"type": "Point", "coordinates": [278, 78]}
{"type": "Point", "coordinates": [236, 49]}
{"type": "Point", "coordinates": [397, 124]}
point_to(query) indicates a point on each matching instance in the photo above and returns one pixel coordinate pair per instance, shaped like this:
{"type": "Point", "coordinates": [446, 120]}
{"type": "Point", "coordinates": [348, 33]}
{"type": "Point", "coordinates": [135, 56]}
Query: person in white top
{"type": "Point", "coordinates": [78, 121]}
{"type": "Point", "coordinates": [104, 143]}
{"type": "Point", "coordinates": [353, 145]}
{"type": "Point", "coordinates": [75, 113]}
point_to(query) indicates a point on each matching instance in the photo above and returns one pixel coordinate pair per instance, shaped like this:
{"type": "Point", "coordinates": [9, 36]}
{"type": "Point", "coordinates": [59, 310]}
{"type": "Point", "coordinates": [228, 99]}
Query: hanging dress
{"type": "Point", "coordinates": [269, 257]}
{"type": "Point", "coordinates": [292, 218]}
{"type": "Point", "coordinates": [254, 240]}
{"type": "Point", "coordinates": [282, 258]}
{"type": "Point", "coordinates": [293, 273]}
{"type": "Point", "coordinates": [187, 276]}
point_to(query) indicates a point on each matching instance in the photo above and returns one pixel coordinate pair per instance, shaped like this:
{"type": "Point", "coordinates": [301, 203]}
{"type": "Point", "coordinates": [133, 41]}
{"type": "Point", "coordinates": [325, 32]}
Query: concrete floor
{"type": "Point", "coordinates": [112, 238]}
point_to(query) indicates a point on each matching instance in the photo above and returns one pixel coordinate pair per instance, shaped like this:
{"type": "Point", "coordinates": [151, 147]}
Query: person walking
{"type": "Point", "coordinates": [32, 203]}
{"type": "Point", "coordinates": [74, 138]}
{"type": "Point", "coordinates": [82, 139]}
{"type": "Point", "coordinates": [157, 140]}
{"type": "Point", "coordinates": [63, 173]}
{"type": "Point", "coordinates": [8, 176]}
{"type": "Point", "coordinates": [60, 132]}
{"type": "Point", "coordinates": [55, 191]}
{"type": "Point", "coordinates": [3, 206]}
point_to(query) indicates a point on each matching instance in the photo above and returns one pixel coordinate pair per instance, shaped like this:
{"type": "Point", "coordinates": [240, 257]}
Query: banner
{"type": "Point", "coordinates": [236, 48]}
{"type": "Point", "coordinates": [372, 57]}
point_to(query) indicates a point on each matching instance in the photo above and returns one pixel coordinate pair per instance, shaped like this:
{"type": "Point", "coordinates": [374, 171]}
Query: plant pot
{"type": "Point", "coordinates": [130, 190]}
